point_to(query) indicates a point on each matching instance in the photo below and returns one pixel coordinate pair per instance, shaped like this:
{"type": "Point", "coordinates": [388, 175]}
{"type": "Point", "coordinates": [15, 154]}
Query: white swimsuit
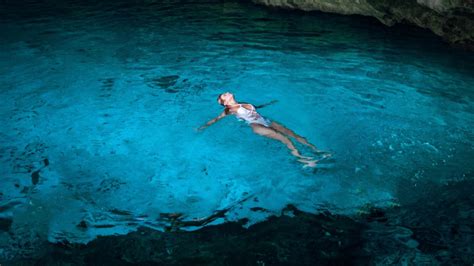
{"type": "Point", "coordinates": [251, 116]}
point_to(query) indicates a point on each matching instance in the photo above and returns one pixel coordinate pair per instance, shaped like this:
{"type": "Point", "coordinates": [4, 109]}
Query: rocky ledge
{"type": "Point", "coordinates": [451, 19]}
{"type": "Point", "coordinates": [432, 227]}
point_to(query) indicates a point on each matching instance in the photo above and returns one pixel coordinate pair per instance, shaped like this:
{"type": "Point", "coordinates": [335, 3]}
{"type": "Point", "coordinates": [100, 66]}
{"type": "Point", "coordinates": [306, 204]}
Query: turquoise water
{"type": "Point", "coordinates": [100, 105]}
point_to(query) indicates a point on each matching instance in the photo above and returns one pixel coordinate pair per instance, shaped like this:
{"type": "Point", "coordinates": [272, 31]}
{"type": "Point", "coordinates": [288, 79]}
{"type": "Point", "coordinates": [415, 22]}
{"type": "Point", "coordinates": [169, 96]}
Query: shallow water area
{"type": "Point", "coordinates": [100, 105]}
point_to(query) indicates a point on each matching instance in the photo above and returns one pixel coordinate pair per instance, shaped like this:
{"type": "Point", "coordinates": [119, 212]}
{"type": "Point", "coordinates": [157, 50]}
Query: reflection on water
{"type": "Point", "coordinates": [101, 103]}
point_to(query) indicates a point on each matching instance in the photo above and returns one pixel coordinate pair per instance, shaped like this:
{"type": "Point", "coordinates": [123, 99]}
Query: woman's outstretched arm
{"type": "Point", "coordinates": [212, 121]}
{"type": "Point", "coordinates": [266, 104]}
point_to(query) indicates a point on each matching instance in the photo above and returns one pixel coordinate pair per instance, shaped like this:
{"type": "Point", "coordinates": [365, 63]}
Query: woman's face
{"type": "Point", "coordinates": [226, 98]}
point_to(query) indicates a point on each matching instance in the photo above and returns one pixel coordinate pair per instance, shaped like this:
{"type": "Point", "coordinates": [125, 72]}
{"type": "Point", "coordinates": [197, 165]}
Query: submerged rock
{"type": "Point", "coordinates": [35, 177]}
{"type": "Point", "coordinates": [451, 19]}
{"type": "Point", "coordinates": [5, 224]}
{"type": "Point", "coordinates": [434, 227]}
{"type": "Point", "coordinates": [284, 240]}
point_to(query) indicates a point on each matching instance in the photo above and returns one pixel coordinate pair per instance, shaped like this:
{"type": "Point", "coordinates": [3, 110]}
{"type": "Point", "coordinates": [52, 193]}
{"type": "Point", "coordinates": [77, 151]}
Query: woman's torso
{"type": "Point", "coordinates": [248, 113]}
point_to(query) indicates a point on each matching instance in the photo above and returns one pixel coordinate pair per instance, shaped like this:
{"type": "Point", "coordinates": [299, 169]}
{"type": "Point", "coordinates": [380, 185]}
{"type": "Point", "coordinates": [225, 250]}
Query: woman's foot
{"type": "Point", "coordinates": [308, 163]}
{"type": "Point", "coordinates": [324, 154]}
{"type": "Point", "coordinates": [297, 154]}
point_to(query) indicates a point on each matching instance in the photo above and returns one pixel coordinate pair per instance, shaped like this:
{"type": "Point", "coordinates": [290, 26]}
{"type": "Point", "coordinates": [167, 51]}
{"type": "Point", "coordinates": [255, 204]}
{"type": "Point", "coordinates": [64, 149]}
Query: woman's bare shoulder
{"type": "Point", "coordinates": [248, 106]}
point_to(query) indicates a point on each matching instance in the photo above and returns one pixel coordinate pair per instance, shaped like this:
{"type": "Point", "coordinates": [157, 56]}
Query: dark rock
{"type": "Point", "coordinates": [281, 240]}
{"type": "Point", "coordinates": [25, 190]}
{"type": "Point", "coordinates": [82, 225]}
{"type": "Point", "coordinates": [258, 209]}
{"type": "Point", "coordinates": [5, 224]}
{"type": "Point", "coordinates": [104, 226]}
{"type": "Point", "coordinates": [452, 20]}
{"type": "Point", "coordinates": [35, 177]}
{"type": "Point", "coordinates": [9, 205]}
{"type": "Point", "coordinates": [376, 214]}
{"type": "Point", "coordinates": [166, 81]}
{"type": "Point", "coordinates": [120, 212]}
{"type": "Point", "coordinates": [431, 228]}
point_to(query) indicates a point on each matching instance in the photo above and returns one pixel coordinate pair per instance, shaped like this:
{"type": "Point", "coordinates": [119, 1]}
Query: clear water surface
{"type": "Point", "coordinates": [100, 103]}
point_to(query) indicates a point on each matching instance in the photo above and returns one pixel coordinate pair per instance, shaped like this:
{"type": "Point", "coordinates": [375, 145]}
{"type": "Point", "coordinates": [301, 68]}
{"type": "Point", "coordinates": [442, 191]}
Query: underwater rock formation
{"type": "Point", "coordinates": [451, 19]}
{"type": "Point", "coordinates": [296, 239]}
{"type": "Point", "coordinates": [434, 227]}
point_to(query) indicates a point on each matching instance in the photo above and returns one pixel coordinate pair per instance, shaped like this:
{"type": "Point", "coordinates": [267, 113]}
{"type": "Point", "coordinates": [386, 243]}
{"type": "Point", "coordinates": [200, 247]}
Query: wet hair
{"type": "Point", "coordinates": [219, 99]}
{"type": "Point", "coordinates": [220, 95]}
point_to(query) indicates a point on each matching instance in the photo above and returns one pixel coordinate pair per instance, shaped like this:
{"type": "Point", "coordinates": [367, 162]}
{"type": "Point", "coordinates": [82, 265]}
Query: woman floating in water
{"type": "Point", "coordinates": [263, 126]}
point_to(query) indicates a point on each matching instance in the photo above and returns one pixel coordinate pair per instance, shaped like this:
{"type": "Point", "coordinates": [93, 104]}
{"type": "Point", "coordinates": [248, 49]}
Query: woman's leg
{"type": "Point", "coordinates": [272, 133]}
{"type": "Point", "coordinates": [280, 128]}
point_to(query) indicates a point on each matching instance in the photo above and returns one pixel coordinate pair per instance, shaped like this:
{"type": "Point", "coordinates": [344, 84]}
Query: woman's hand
{"type": "Point", "coordinates": [201, 128]}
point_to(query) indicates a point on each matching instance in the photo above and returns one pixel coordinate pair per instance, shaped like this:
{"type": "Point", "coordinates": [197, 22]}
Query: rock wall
{"type": "Point", "coordinates": [451, 19]}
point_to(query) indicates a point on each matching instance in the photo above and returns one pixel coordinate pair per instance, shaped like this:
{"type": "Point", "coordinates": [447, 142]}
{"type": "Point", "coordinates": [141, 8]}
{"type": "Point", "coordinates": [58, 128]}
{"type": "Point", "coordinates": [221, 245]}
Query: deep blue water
{"type": "Point", "coordinates": [100, 103]}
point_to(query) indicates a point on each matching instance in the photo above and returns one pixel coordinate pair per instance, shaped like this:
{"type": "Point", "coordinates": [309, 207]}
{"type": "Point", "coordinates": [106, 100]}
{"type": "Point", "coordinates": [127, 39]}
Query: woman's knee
{"type": "Point", "coordinates": [258, 129]}
{"type": "Point", "coordinates": [275, 125]}
{"type": "Point", "coordinates": [281, 129]}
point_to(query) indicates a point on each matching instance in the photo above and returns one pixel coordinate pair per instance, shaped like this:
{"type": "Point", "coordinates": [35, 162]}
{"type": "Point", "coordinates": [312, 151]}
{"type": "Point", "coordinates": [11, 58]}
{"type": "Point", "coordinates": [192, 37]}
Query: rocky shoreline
{"type": "Point", "coordinates": [453, 20]}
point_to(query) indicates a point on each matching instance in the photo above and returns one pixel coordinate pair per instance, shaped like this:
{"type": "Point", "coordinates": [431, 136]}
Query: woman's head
{"type": "Point", "coordinates": [225, 98]}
